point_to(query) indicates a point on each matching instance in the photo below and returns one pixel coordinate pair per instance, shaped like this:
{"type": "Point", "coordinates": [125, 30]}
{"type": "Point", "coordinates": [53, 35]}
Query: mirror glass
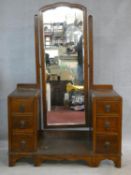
{"type": "Point", "coordinates": [64, 70]}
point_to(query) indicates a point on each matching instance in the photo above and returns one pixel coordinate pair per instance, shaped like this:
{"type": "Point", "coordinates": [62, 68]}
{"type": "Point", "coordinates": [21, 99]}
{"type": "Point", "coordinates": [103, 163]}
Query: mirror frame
{"type": "Point", "coordinates": [40, 60]}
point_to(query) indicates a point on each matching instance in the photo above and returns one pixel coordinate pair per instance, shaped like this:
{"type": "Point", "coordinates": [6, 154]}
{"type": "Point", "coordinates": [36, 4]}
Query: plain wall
{"type": "Point", "coordinates": [112, 49]}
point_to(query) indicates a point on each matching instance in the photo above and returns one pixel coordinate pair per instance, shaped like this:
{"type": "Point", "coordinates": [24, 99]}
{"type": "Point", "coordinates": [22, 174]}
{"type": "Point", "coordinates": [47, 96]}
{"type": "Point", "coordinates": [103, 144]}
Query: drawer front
{"type": "Point", "coordinates": [22, 143]}
{"type": "Point", "coordinates": [107, 124]}
{"type": "Point", "coordinates": [21, 105]}
{"type": "Point", "coordinates": [22, 123]}
{"type": "Point", "coordinates": [107, 144]}
{"type": "Point", "coordinates": [107, 107]}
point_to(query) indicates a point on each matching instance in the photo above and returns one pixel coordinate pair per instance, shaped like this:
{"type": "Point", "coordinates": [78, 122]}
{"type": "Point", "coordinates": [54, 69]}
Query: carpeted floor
{"type": "Point", "coordinates": [66, 117]}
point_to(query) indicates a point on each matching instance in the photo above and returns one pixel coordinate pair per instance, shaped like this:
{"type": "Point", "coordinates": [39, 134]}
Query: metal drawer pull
{"type": "Point", "coordinates": [23, 144]}
{"type": "Point", "coordinates": [107, 125]}
{"type": "Point", "coordinates": [23, 124]}
{"type": "Point", "coordinates": [107, 144]}
{"type": "Point", "coordinates": [22, 108]}
{"type": "Point", "coordinates": [107, 108]}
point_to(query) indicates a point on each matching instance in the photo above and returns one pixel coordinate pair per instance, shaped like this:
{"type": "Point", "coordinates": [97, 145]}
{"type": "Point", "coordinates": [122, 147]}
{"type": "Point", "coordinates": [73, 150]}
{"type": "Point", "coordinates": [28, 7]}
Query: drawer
{"type": "Point", "coordinates": [107, 124]}
{"type": "Point", "coordinates": [22, 123]}
{"type": "Point", "coordinates": [107, 107]}
{"type": "Point", "coordinates": [107, 144]}
{"type": "Point", "coordinates": [22, 143]}
{"type": "Point", "coordinates": [21, 105]}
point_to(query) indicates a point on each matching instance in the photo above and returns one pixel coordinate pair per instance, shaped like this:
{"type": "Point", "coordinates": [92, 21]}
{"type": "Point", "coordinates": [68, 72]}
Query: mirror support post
{"type": "Point", "coordinates": [37, 51]}
{"type": "Point", "coordinates": [90, 24]}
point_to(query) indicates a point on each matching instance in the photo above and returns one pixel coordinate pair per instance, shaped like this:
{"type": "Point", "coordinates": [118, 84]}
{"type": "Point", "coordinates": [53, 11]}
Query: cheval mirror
{"type": "Point", "coordinates": [82, 121]}
{"type": "Point", "coordinates": [62, 63]}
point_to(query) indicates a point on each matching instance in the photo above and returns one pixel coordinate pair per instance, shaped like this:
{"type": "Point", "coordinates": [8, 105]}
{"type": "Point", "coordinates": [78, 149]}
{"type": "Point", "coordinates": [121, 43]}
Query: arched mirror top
{"type": "Point", "coordinates": [62, 4]}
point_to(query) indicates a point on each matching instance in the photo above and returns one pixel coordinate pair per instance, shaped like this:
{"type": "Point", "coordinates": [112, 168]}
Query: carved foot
{"type": "Point", "coordinates": [37, 161]}
{"type": "Point", "coordinates": [118, 163]}
{"type": "Point", "coordinates": [12, 161]}
{"type": "Point", "coordinates": [93, 162]}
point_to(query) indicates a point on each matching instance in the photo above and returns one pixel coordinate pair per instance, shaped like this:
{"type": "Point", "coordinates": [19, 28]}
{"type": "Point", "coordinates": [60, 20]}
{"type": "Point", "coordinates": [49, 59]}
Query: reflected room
{"type": "Point", "coordinates": [64, 70]}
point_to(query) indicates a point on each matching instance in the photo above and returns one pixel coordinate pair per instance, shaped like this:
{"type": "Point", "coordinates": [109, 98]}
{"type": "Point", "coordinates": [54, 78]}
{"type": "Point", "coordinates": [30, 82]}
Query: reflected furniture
{"type": "Point", "coordinates": [42, 123]}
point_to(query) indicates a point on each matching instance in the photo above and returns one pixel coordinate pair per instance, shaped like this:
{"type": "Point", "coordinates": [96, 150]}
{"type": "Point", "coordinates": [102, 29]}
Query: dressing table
{"type": "Point", "coordinates": [64, 116]}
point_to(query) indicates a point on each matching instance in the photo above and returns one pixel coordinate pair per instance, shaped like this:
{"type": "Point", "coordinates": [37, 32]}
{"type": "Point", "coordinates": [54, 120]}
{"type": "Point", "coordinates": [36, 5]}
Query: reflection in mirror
{"type": "Point", "coordinates": [63, 49]}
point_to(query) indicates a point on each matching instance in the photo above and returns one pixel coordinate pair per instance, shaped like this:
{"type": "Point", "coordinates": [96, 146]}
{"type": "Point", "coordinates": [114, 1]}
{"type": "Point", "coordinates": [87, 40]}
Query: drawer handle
{"type": "Point", "coordinates": [22, 108]}
{"type": "Point", "coordinates": [23, 124]}
{"type": "Point", "coordinates": [107, 125]}
{"type": "Point", "coordinates": [23, 144]}
{"type": "Point", "coordinates": [107, 108]}
{"type": "Point", "coordinates": [107, 145]}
